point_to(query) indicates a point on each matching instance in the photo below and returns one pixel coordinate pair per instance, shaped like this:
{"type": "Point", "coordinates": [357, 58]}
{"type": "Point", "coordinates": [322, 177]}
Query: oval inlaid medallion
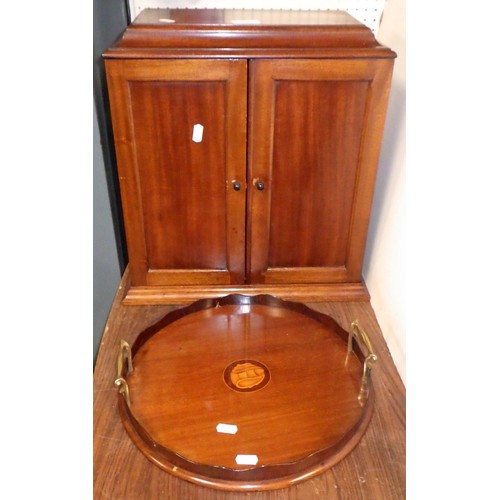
{"type": "Point", "coordinates": [246, 375]}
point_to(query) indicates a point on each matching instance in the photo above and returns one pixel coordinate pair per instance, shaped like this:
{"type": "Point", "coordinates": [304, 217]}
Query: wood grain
{"type": "Point", "coordinates": [168, 295]}
{"type": "Point", "coordinates": [304, 159]}
{"type": "Point", "coordinates": [375, 469]}
{"type": "Point", "coordinates": [315, 128]}
{"type": "Point", "coordinates": [314, 183]}
{"type": "Point", "coordinates": [292, 391]}
{"type": "Point", "coordinates": [325, 32]}
{"type": "Point", "coordinates": [183, 219]}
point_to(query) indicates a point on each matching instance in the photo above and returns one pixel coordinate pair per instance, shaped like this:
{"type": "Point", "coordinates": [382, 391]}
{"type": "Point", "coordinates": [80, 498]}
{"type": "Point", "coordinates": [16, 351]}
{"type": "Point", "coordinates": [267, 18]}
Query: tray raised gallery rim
{"type": "Point", "coordinates": [288, 384]}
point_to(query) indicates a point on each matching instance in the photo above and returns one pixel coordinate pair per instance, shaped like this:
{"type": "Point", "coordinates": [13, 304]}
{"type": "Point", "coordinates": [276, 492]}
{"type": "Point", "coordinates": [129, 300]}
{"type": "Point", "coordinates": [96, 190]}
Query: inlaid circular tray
{"type": "Point", "coordinates": [246, 393]}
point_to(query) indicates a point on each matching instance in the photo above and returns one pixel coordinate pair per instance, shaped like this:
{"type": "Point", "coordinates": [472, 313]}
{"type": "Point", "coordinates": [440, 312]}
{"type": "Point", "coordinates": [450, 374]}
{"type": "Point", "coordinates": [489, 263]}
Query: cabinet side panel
{"type": "Point", "coordinates": [182, 171]}
{"type": "Point", "coordinates": [317, 134]}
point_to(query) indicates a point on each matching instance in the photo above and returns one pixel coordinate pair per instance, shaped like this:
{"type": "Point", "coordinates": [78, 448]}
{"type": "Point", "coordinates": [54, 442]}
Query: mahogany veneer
{"type": "Point", "coordinates": [276, 196]}
{"type": "Point", "coordinates": [277, 371]}
{"type": "Point", "coordinates": [374, 469]}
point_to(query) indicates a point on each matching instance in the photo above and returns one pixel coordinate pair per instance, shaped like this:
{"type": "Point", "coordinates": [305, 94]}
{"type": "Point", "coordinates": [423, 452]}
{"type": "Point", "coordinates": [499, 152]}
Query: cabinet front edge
{"type": "Point", "coordinates": [339, 292]}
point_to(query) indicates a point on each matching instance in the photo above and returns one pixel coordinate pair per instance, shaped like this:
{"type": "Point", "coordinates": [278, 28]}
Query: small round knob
{"type": "Point", "coordinates": [259, 185]}
{"type": "Point", "coordinates": [236, 186]}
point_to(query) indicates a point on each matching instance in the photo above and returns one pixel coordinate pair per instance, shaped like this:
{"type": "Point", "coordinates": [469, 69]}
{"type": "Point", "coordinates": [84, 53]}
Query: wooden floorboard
{"type": "Point", "coordinates": [374, 470]}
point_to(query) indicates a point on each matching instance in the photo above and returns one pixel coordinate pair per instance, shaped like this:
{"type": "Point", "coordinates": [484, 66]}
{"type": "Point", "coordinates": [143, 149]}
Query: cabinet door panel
{"type": "Point", "coordinates": [316, 149]}
{"type": "Point", "coordinates": [309, 147]}
{"type": "Point", "coordinates": [181, 140]}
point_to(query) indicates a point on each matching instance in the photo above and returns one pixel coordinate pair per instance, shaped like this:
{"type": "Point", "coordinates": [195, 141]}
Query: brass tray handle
{"type": "Point", "coordinates": [124, 358]}
{"type": "Point", "coordinates": [355, 330]}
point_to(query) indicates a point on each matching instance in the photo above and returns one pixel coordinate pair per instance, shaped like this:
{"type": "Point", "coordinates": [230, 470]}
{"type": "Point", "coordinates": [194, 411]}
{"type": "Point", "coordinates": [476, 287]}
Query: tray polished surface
{"type": "Point", "coordinates": [245, 393]}
{"type": "Point", "coordinates": [375, 468]}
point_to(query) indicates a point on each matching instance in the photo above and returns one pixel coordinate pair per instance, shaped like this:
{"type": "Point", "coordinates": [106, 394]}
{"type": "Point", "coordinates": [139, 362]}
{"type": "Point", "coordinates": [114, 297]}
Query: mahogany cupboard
{"type": "Point", "coordinates": [247, 146]}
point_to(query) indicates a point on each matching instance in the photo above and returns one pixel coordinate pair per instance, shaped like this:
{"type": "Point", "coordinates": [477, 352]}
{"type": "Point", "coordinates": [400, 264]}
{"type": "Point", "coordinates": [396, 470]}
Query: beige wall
{"type": "Point", "coordinates": [384, 266]}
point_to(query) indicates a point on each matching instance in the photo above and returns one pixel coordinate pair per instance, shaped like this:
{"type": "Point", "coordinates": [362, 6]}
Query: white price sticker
{"type": "Point", "coordinates": [246, 459]}
{"type": "Point", "coordinates": [198, 133]}
{"type": "Point", "coordinates": [227, 428]}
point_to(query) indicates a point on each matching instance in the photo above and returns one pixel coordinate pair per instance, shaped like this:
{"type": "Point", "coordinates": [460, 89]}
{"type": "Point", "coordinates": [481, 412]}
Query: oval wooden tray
{"type": "Point", "coordinates": [278, 376]}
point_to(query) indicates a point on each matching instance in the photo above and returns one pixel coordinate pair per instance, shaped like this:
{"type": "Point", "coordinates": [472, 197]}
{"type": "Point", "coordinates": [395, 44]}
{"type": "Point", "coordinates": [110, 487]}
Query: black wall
{"type": "Point", "coordinates": [110, 19]}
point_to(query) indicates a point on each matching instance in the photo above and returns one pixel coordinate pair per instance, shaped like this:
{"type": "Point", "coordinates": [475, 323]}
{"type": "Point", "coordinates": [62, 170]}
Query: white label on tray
{"type": "Point", "coordinates": [227, 428]}
{"type": "Point", "coordinates": [246, 459]}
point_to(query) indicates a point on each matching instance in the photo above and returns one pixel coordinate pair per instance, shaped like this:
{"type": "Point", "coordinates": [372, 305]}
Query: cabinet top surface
{"type": "Point", "coordinates": [170, 33]}
{"type": "Point", "coordinates": [243, 17]}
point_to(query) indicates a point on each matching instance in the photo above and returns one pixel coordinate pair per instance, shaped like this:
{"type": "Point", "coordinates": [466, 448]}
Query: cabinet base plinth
{"type": "Point", "coordinates": [339, 292]}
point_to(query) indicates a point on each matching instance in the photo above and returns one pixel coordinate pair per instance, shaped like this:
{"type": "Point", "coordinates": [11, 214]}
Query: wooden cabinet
{"type": "Point", "coordinates": [247, 153]}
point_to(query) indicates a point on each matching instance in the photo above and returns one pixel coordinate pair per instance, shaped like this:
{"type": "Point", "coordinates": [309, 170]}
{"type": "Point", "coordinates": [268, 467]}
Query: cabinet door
{"type": "Point", "coordinates": [180, 134]}
{"type": "Point", "coordinates": [315, 133]}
